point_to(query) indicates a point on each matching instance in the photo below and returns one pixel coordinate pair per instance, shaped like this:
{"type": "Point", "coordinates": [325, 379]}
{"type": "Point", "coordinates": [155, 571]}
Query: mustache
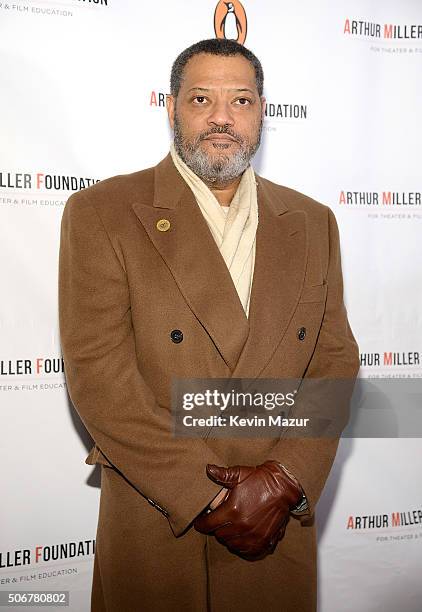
{"type": "Point", "coordinates": [220, 129]}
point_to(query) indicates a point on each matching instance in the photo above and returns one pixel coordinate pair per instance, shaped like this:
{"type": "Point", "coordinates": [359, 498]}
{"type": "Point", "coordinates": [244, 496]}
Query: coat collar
{"type": "Point", "coordinates": [191, 254]}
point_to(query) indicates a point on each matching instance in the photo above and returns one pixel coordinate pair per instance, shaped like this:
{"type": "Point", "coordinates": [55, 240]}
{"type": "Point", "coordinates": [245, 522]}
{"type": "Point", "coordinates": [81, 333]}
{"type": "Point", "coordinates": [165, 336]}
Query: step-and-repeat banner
{"type": "Point", "coordinates": [83, 98]}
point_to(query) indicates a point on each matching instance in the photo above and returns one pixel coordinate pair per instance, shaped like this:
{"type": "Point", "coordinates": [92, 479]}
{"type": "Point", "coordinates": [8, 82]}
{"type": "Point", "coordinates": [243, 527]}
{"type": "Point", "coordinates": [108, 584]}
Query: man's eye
{"type": "Point", "coordinates": [243, 101]}
{"type": "Point", "coordinates": [199, 99]}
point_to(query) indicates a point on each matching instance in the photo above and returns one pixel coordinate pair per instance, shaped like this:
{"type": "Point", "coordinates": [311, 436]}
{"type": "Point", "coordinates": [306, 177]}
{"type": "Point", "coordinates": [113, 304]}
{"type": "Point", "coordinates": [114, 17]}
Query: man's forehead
{"type": "Point", "coordinates": [219, 65]}
{"type": "Point", "coordinates": [205, 71]}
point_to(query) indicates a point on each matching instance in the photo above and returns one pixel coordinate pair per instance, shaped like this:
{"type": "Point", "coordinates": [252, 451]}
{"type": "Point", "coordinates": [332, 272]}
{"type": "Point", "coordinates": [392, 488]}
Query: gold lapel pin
{"type": "Point", "coordinates": [163, 225]}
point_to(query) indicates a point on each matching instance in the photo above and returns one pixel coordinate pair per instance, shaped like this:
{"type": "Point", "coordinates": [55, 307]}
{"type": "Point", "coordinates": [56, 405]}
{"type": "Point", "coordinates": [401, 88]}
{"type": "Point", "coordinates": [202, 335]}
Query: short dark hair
{"type": "Point", "coordinates": [214, 46]}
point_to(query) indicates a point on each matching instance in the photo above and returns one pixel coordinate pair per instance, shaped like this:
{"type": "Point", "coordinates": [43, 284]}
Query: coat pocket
{"type": "Point", "coordinates": [313, 293]}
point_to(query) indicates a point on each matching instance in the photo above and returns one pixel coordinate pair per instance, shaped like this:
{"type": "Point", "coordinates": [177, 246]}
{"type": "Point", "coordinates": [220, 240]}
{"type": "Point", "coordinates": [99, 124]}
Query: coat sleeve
{"type": "Point", "coordinates": [333, 369]}
{"type": "Point", "coordinates": [132, 431]}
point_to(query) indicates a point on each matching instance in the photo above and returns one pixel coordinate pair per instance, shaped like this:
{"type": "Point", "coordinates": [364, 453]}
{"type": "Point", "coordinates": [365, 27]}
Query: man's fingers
{"type": "Point", "coordinates": [231, 530]}
{"type": "Point", "coordinates": [207, 523]}
{"type": "Point", "coordinates": [226, 477]}
{"type": "Point", "coordinates": [231, 476]}
{"type": "Point", "coordinates": [250, 553]}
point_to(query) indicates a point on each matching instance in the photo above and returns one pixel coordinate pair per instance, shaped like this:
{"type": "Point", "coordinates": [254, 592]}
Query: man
{"type": "Point", "coordinates": [156, 271]}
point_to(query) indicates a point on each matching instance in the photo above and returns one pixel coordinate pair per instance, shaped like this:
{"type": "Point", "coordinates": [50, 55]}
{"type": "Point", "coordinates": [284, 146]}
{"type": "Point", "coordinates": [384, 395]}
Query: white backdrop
{"type": "Point", "coordinates": [82, 86]}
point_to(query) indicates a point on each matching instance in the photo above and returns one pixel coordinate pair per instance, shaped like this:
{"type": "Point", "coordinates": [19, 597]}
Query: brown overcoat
{"type": "Point", "coordinates": [123, 287]}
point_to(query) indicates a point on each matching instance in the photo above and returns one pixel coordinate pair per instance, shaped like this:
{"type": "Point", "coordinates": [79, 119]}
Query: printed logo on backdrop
{"type": "Point", "coordinates": [390, 364]}
{"type": "Point", "coordinates": [406, 364]}
{"type": "Point", "coordinates": [38, 562]}
{"type": "Point", "coordinates": [395, 526]}
{"type": "Point", "coordinates": [50, 8]}
{"type": "Point", "coordinates": [386, 34]}
{"type": "Point", "coordinates": [18, 188]}
{"type": "Point", "coordinates": [36, 374]}
{"type": "Point", "coordinates": [383, 204]}
{"type": "Point", "coordinates": [230, 21]}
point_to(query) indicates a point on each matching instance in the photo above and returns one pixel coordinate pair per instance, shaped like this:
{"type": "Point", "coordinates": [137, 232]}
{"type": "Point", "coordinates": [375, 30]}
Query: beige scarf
{"type": "Point", "coordinates": [233, 228]}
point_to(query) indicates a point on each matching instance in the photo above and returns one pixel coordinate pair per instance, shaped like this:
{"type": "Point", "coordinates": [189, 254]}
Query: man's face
{"type": "Point", "coordinates": [217, 116]}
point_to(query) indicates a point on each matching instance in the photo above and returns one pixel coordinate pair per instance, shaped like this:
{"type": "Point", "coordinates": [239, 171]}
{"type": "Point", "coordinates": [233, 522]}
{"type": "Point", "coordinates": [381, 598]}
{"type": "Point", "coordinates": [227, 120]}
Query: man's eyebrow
{"type": "Point", "coordinates": [238, 89]}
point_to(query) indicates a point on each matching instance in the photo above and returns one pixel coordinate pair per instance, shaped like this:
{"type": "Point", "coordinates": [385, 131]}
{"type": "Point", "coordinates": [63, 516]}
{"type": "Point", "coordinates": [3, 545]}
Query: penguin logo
{"type": "Point", "coordinates": [230, 21]}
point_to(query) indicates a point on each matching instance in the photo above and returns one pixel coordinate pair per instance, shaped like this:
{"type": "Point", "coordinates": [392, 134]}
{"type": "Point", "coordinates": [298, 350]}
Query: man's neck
{"type": "Point", "coordinates": [224, 192]}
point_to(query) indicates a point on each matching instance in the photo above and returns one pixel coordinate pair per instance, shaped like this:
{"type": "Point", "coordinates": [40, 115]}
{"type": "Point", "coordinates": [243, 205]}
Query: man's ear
{"type": "Point", "coordinates": [263, 105]}
{"type": "Point", "coordinates": [170, 105]}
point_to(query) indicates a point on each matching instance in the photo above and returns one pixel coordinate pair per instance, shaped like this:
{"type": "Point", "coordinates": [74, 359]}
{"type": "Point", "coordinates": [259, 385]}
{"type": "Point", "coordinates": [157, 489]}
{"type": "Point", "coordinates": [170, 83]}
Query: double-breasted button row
{"type": "Point", "coordinates": [177, 335]}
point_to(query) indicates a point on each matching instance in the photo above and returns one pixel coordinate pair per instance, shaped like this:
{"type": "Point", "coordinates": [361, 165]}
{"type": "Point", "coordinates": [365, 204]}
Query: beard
{"type": "Point", "coordinates": [223, 167]}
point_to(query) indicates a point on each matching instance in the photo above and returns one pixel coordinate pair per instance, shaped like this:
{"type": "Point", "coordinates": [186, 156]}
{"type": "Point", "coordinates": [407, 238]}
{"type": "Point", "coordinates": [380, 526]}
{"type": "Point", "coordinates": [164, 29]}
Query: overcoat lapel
{"type": "Point", "coordinates": [194, 260]}
{"type": "Point", "coordinates": [192, 256]}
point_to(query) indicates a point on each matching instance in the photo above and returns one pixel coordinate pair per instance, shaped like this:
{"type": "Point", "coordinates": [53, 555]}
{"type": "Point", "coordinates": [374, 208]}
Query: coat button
{"type": "Point", "coordinates": [163, 225]}
{"type": "Point", "coordinates": [176, 335]}
{"type": "Point", "coordinates": [301, 333]}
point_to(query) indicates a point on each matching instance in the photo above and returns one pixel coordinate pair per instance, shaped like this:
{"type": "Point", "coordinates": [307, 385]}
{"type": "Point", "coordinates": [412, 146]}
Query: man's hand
{"type": "Point", "coordinates": [253, 517]}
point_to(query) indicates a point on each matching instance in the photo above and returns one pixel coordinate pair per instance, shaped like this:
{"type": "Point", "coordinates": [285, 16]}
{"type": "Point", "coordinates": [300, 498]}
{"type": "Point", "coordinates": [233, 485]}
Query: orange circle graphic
{"type": "Point", "coordinates": [230, 16]}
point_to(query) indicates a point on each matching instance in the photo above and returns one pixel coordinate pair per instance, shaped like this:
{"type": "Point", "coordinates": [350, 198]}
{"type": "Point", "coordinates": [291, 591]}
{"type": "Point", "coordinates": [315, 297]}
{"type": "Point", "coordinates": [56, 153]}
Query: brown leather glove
{"type": "Point", "coordinates": [253, 516]}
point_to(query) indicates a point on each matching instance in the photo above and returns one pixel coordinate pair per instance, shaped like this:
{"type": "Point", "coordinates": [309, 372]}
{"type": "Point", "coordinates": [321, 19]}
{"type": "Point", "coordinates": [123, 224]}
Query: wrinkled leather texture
{"type": "Point", "coordinates": [253, 516]}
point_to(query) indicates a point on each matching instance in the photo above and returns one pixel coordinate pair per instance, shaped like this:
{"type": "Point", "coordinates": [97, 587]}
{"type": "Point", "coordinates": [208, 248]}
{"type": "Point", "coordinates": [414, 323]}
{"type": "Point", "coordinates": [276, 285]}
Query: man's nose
{"type": "Point", "coordinates": [221, 113]}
